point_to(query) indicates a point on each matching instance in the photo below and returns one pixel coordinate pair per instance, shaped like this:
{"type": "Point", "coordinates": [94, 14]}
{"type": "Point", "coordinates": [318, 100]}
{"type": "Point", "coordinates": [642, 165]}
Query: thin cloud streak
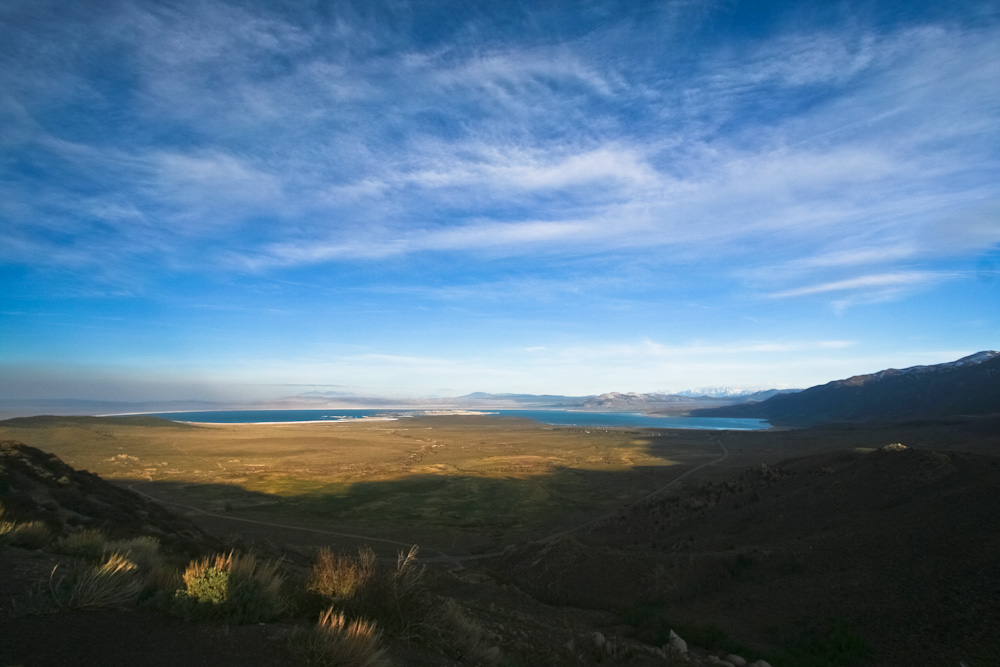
{"type": "Point", "coordinates": [869, 282]}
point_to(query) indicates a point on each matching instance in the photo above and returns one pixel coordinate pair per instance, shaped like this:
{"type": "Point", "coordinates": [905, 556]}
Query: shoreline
{"type": "Point", "coordinates": [619, 420]}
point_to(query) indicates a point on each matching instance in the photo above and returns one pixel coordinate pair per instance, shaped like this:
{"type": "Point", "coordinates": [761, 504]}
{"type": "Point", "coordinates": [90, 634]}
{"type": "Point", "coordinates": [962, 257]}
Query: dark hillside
{"type": "Point", "coordinates": [39, 486]}
{"type": "Point", "coordinates": [969, 386]}
{"type": "Point", "coordinates": [892, 553]}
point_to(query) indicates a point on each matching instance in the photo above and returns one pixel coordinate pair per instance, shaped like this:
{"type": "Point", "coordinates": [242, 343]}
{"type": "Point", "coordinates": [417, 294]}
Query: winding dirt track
{"type": "Point", "coordinates": [442, 557]}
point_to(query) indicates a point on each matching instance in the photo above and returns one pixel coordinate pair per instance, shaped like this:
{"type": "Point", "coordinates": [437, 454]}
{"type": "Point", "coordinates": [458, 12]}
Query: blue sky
{"type": "Point", "coordinates": [232, 200]}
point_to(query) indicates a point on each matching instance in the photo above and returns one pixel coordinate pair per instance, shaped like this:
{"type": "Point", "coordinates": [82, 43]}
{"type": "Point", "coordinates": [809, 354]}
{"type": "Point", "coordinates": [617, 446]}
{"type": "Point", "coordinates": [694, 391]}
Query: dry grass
{"type": "Point", "coordinates": [340, 576]}
{"type": "Point", "coordinates": [143, 550]}
{"type": "Point", "coordinates": [89, 543]}
{"type": "Point", "coordinates": [112, 583]}
{"type": "Point", "coordinates": [337, 642]}
{"type": "Point", "coordinates": [455, 633]}
{"type": "Point", "coordinates": [25, 534]}
{"type": "Point", "coordinates": [395, 596]}
{"type": "Point", "coordinates": [92, 544]}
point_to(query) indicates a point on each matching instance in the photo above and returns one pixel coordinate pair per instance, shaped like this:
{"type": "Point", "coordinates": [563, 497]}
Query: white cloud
{"type": "Point", "coordinates": [213, 184]}
{"type": "Point", "coordinates": [873, 282]}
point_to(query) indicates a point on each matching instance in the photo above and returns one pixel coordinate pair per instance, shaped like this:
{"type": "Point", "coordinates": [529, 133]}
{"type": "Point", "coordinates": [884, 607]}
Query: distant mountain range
{"type": "Point", "coordinates": [968, 386]}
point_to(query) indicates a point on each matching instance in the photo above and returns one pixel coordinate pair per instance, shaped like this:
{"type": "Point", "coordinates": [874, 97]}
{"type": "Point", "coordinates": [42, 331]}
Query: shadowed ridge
{"type": "Point", "coordinates": [895, 546]}
{"type": "Point", "coordinates": [39, 485]}
{"type": "Point", "coordinates": [968, 386]}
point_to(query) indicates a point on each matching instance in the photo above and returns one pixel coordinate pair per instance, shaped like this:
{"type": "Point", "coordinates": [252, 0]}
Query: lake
{"type": "Point", "coordinates": [552, 417]}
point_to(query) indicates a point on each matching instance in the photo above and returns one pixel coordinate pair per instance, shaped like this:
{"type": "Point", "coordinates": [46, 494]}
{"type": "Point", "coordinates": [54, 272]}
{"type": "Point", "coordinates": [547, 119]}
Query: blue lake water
{"type": "Point", "coordinates": [552, 417]}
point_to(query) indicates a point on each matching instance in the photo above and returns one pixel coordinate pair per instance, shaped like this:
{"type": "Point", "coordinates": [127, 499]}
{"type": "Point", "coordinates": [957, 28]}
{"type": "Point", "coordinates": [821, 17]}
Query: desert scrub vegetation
{"type": "Point", "coordinates": [114, 573]}
{"type": "Point", "coordinates": [92, 544]}
{"type": "Point", "coordinates": [27, 534]}
{"type": "Point", "coordinates": [358, 585]}
{"type": "Point", "coordinates": [337, 642]}
{"type": "Point", "coordinates": [24, 534]}
{"type": "Point", "coordinates": [237, 587]}
{"type": "Point", "coordinates": [88, 543]}
{"type": "Point", "coordinates": [339, 576]}
{"type": "Point", "coordinates": [113, 581]}
{"type": "Point", "coordinates": [397, 598]}
{"type": "Point", "coordinates": [451, 631]}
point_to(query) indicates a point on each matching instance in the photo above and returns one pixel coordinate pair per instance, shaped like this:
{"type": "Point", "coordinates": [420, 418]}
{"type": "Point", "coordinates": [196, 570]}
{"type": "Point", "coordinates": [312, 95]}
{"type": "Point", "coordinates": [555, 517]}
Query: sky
{"type": "Point", "coordinates": [243, 200]}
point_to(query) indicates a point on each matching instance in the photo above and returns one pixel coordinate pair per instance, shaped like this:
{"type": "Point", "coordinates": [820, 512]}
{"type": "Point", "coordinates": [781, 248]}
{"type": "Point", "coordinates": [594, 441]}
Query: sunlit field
{"type": "Point", "coordinates": [491, 479]}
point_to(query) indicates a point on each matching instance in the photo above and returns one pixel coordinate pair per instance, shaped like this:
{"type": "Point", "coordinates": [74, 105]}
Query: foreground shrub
{"type": "Point", "coordinates": [239, 588]}
{"type": "Point", "coordinates": [396, 597]}
{"type": "Point", "coordinates": [113, 582]}
{"type": "Point", "coordinates": [400, 595]}
{"type": "Point", "coordinates": [335, 642]}
{"type": "Point", "coordinates": [338, 576]}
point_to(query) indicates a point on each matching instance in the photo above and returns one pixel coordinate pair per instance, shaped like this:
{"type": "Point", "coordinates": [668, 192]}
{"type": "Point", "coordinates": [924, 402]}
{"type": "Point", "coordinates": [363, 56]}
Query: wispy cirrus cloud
{"type": "Point", "coordinates": [874, 283]}
{"type": "Point", "coordinates": [775, 172]}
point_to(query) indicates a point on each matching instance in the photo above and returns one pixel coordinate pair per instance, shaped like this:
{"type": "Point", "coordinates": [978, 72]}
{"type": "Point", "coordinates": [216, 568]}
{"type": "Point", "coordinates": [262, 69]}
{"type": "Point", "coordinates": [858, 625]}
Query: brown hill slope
{"type": "Point", "coordinates": [850, 558]}
{"type": "Point", "coordinates": [969, 386]}
{"type": "Point", "coordinates": [39, 486]}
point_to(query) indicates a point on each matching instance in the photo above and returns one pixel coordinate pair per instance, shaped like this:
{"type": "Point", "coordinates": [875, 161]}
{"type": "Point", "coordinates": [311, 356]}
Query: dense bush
{"type": "Point", "coordinates": [239, 588]}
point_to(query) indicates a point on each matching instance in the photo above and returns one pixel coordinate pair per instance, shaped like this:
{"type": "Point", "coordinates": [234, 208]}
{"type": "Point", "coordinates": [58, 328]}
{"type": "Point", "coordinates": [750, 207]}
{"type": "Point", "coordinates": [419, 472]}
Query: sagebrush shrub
{"type": "Point", "coordinates": [239, 588]}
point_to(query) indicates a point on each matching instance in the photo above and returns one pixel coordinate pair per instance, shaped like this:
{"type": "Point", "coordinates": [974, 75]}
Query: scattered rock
{"type": "Point", "coordinates": [677, 644]}
{"type": "Point", "coordinates": [736, 660]}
